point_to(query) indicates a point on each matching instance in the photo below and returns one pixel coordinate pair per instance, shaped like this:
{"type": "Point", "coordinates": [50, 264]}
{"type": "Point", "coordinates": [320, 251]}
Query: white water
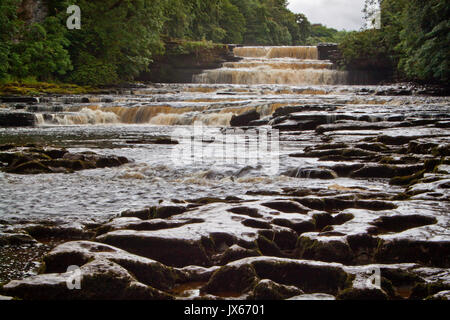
{"type": "Point", "coordinates": [275, 65]}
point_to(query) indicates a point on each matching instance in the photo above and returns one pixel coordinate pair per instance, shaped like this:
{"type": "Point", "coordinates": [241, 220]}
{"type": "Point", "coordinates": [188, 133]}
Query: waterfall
{"type": "Point", "coordinates": [275, 65]}
{"type": "Point", "coordinates": [155, 115]}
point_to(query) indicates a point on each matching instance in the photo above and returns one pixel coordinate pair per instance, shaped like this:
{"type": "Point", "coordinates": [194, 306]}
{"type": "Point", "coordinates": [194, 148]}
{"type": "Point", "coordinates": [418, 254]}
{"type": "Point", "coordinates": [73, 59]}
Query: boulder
{"type": "Point", "coordinates": [232, 280]}
{"type": "Point", "coordinates": [270, 290]}
{"type": "Point", "coordinates": [286, 206]}
{"type": "Point", "coordinates": [17, 119]}
{"type": "Point", "coordinates": [173, 250]}
{"type": "Point", "coordinates": [244, 119]}
{"type": "Point", "coordinates": [99, 280]}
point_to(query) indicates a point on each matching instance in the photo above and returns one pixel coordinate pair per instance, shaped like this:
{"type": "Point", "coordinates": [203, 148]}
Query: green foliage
{"type": "Point", "coordinates": [424, 40]}
{"type": "Point", "coordinates": [119, 38]}
{"type": "Point", "coordinates": [8, 24]}
{"type": "Point", "coordinates": [42, 52]}
{"type": "Point", "coordinates": [94, 72]}
{"type": "Point", "coordinates": [413, 40]}
{"type": "Point", "coordinates": [365, 50]}
{"type": "Point", "coordinates": [322, 34]}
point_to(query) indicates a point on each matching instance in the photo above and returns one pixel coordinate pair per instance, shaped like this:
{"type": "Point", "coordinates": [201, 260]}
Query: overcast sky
{"type": "Point", "coordinates": [338, 14]}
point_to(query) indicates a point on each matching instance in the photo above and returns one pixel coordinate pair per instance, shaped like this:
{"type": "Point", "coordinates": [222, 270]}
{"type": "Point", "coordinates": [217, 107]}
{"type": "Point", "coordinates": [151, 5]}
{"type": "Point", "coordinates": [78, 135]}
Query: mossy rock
{"type": "Point", "coordinates": [236, 252]}
{"type": "Point", "coordinates": [423, 290]}
{"type": "Point", "coordinates": [232, 280]}
{"type": "Point", "coordinates": [327, 250]}
{"type": "Point", "coordinates": [270, 290]}
{"type": "Point", "coordinates": [407, 180]}
{"type": "Point", "coordinates": [268, 247]}
{"type": "Point", "coordinates": [362, 294]}
{"type": "Point", "coordinates": [308, 276]}
{"type": "Point", "coordinates": [31, 167]}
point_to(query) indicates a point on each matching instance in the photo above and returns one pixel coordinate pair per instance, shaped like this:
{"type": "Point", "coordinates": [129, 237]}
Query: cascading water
{"type": "Point", "coordinates": [275, 65]}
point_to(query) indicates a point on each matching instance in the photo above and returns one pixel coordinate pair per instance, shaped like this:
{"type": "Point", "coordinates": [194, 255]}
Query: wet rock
{"type": "Point", "coordinates": [299, 226]}
{"type": "Point", "coordinates": [354, 126]}
{"type": "Point", "coordinates": [232, 279]}
{"type": "Point", "coordinates": [236, 252]}
{"type": "Point", "coordinates": [145, 270]}
{"type": "Point", "coordinates": [286, 110]}
{"type": "Point", "coordinates": [327, 250]}
{"type": "Point", "coordinates": [15, 239]}
{"type": "Point", "coordinates": [109, 162]}
{"type": "Point", "coordinates": [28, 100]}
{"type": "Point", "coordinates": [175, 250]}
{"type": "Point", "coordinates": [257, 123]}
{"type": "Point", "coordinates": [395, 140]}
{"type": "Point", "coordinates": [323, 219]}
{"type": "Point", "coordinates": [197, 274]}
{"type": "Point", "coordinates": [399, 223]}
{"type": "Point", "coordinates": [443, 295]}
{"type": "Point", "coordinates": [164, 212]}
{"type": "Point", "coordinates": [17, 119]}
{"type": "Point", "coordinates": [31, 167]}
{"type": "Point", "coordinates": [143, 225]}
{"type": "Point", "coordinates": [384, 171]}
{"type": "Point", "coordinates": [309, 276]}
{"type": "Point", "coordinates": [421, 147]}
{"type": "Point", "coordinates": [286, 206]}
{"type": "Point", "coordinates": [428, 253]}
{"type": "Point", "coordinates": [428, 290]}
{"type": "Point", "coordinates": [362, 294]}
{"type": "Point", "coordinates": [244, 119]}
{"type": "Point", "coordinates": [268, 247]}
{"type": "Point", "coordinates": [336, 154]}
{"type": "Point", "coordinates": [155, 212]}
{"type": "Point", "coordinates": [407, 180]}
{"type": "Point", "coordinates": [44, 232]}
{"type": "Point", "coordinates": [325, 174]}
{"type": "Point", "coordinates": [49, 160]}
{"type": "Point", "coordinates": [246, 211]}
{"type": "Point", "coordinates": [375, 147]}
{"type": "Point", "coordinates": [6, 147]}
{"type": "Point", "coordinates": [344, 170]}
{"type": "Point", "coordinates": [331, 204]}
{"type": "Point", "coordinates": [270, 290]}
{"type": "Point", "coordinates": [363, 248]}
{"type": "Point", "coordinates": [285, 238]}
{"type": "Point", "coordinates": [156, 140]}
{"type": "Point", "coordinates": [313, 296]}
{"type": "Point", "coordinates": [100, 280]}
{"type": "Point", "coordinates": [257, 224]}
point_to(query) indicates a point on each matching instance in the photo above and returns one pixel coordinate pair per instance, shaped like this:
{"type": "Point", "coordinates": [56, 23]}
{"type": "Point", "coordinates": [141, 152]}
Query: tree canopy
{"type": "Point", "coordinates": [414, 39]}
{"type": "Point", "coordinates": [119, 38]}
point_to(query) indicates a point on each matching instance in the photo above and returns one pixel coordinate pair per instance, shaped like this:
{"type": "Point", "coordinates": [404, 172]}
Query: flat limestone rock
{"type": "Point", "coordinates": [98, 280]}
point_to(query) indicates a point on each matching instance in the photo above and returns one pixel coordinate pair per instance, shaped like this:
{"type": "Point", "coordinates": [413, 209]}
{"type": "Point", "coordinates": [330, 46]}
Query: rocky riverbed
{"type": "Point", "coordinates": [362, 187]}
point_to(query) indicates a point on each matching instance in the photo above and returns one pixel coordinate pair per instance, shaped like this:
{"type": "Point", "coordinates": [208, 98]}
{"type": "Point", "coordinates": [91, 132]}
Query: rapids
{"type": "Point", "coordinates": [110, 124]}
{"type": "Point", "coordinates": [275, 65]}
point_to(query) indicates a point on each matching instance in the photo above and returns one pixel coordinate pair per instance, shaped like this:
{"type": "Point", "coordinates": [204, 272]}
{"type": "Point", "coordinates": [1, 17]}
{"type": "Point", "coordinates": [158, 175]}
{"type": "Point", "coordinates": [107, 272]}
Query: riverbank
{"type": "Point", "coordinates": [362, 185]}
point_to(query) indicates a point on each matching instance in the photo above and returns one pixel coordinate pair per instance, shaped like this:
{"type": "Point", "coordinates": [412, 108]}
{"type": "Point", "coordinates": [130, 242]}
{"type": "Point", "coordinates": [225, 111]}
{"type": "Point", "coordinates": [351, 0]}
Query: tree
{"type": "Point", "coordinates": [424, 40]}
{"type": "Point", "coordinates": [304, 29]}
{"type": "Point", "coordinates": [121, 35]}
{"type": "Point", "coordinates": [8, 28]}
{"type": "Point", "coordinates": [232, 21]}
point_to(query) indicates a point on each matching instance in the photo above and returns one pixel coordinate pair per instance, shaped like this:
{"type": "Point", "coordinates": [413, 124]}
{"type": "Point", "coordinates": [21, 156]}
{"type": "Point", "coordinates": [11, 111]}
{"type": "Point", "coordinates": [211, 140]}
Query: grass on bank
{"type": "Point", "coordinates": [31, 87]}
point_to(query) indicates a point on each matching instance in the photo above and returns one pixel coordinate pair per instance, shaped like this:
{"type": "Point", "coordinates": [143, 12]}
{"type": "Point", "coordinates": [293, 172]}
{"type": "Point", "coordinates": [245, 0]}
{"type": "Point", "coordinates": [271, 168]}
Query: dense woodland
{"type": "Point", "coordinates": [414, 40]}
{"type": "Point", "coordinates": [119, 38]}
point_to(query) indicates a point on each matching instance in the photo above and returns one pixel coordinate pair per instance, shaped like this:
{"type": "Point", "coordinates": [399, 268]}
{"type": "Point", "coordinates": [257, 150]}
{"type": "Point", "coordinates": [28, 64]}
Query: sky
{"type": "Point", "coordinates": [338, 14]}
